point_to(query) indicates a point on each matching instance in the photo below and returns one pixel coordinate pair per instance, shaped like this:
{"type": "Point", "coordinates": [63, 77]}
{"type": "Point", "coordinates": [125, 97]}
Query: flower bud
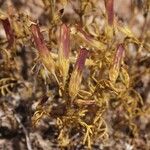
{"type": "Point", "coordinates": [64, 50]}
{"type": "Point", "coordinates": [44, 53]}
{"type": "Point", "coordinates": [88, 38]}
{"type": "Point", "coordinates": [115, 68]}
{"type": "Point", "coordinates": [109, 4]}
{"type": "Point", "coordinates": [76, 76]}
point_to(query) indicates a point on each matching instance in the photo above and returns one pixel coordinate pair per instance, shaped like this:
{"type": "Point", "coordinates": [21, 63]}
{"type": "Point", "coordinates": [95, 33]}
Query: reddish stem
{"type": "Point", "coordinates": [9, 32]}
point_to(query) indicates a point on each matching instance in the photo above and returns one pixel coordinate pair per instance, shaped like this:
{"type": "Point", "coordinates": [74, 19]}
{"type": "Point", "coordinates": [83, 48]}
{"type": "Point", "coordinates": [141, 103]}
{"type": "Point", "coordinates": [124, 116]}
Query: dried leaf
{"type": "Point", "coordinates": [125, 77]}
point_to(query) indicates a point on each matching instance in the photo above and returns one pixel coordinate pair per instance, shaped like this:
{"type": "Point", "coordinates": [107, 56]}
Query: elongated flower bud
{"type": "Point", "coordinates": [76, 76]}
{"type": "Point", "coordinates": [115, 68]}
{"type": "Point", "coordinates": [42, 48]}
{"type": "Point", "coordinates": [88, 38]}
{"type": "Point", "coordinates": [109, 4]}
{"type": "Point", "coordinates": [39, 40]}
{"type": "Point", "coordinates": [9, 32]}
{"type": "Point", "coordinates": [64, 50]}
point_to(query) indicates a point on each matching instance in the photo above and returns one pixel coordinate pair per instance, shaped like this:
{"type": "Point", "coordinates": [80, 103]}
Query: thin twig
{"type": "Point", "coordinates": [28, 142]}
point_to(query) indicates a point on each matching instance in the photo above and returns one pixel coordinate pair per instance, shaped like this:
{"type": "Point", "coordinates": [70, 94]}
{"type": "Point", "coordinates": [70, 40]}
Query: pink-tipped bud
{"type": "Point", "coordinates": [83, 54]}
{"type": "Point", "coordinates": [76, 76]}
{"type": "Point", "coordinates": [109, 28]}
{"type": "Point", "coordinates": [39, 40]}
{"type": "Point", "coordinates": [42, 48]}
{"type": "Point", "coordinates": [9, 32]}
{"type": "Point", "coordinates": [64, 51]}
{"type": "Point", "coordinates": [115, 68]}
{"type": "Point", "coordinates": [109, 5]}
{"type": "Point", "coordinates": [88, 38]}
{"type": "Point", "coordinates": [118, 56]}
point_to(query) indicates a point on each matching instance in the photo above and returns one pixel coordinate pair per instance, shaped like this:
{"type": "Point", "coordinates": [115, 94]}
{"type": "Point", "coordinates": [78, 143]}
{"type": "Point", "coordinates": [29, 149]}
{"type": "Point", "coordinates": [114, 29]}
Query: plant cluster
{"type": "Point", "coordinates": [82, 71]}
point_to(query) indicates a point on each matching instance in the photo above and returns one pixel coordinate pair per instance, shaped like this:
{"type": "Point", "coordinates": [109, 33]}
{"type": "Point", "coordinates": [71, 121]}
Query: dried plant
{"type": "Point", "coordinates": [87, 66]}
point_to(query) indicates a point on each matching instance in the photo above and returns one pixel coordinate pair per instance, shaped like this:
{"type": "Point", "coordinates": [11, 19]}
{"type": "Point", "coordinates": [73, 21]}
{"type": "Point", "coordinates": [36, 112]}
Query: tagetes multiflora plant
{"type": "Point", "coordinates": [87, 67]}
